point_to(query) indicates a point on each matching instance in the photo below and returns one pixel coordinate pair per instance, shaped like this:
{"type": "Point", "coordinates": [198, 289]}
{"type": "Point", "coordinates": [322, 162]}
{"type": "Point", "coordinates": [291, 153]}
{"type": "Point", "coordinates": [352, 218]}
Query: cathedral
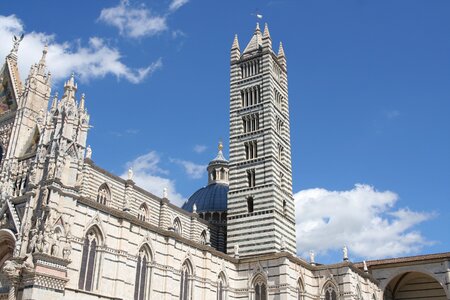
{"type": "Point", "coordinates": [70, 229]}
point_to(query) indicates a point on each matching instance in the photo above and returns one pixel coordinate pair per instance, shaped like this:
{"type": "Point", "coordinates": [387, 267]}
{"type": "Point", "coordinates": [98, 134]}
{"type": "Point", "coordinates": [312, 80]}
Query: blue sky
{"type": "Point", "coordinates": [368, 89]}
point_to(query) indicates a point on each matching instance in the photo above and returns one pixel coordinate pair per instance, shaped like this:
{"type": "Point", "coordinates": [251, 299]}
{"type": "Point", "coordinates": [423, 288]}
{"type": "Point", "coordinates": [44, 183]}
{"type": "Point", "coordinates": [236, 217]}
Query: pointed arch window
{"type": "Point", "coordinates": [330, 293]}
{"type": "Point", "coordinates": [203, 238]}
{"type": "Point", "coordinates": [104, 194]}
{"type": "Point", "coordinates": [221, 287]}
{"type": "Point", "coordinates": [177, 226]}
{"type": "Point", "coordinates": [143, 273]}
{"type": "Point", "coordinates": [260, 288]}
{"type": "Point", "coordinates": [300, 290]}
{"type": "Point", "coordinates": [186, 281]}
{"type": "Point", "coordinates": [143, 212]}
{"type": "Point", "coordinates": [90, 260]}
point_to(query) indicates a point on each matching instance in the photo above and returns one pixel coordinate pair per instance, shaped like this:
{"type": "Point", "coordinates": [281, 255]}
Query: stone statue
{"type": "Point", "coordinates": [89, 152]}
{"type": "Point", "coordinates": [345, 253]}
{"type": "Point", "coordinates": [67, 250]}
{"type": "Point", "coordinates": [16, 41]}
{"type": "Point", "coordinates": [236, 250]}
{"type": "Point", "coordinates": [55, 245]}
{"type": "Point", "coordinates": [12, 268]}
{"type": "Point", "coordinates": [33, 240]}
{"type": "Point", "coordinates": [312, 257]}
{"type": "Point", "coordinates": [365, 266]}
{"type": "Point", "coordinates": [194, 208]}
{"type": "Point", "coordinates": [39, 247]}
{"type": "Point", "coordinates": [208, 237]}
{"type": "Point", "coordinates": [130, 174]}
{"type": "Point", "coordinates": [165, 193]}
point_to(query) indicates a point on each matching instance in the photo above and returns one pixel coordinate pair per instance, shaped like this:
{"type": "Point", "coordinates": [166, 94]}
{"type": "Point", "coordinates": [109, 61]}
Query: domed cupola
{"type": "Point", "coordinates": [210, 202]}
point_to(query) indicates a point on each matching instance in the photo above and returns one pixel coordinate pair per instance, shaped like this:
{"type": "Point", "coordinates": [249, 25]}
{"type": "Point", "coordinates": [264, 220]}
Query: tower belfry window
{"type": "Point", "coordinates": [251, 149]}
{"type": "Point", "coordinates": [250, 204]}
{"type": "Point", "coordinates": [251, 96]}
{"type": "Point", "coordinates": [251, 178]}
{"type": "Point", "coordinates": [250, 122]}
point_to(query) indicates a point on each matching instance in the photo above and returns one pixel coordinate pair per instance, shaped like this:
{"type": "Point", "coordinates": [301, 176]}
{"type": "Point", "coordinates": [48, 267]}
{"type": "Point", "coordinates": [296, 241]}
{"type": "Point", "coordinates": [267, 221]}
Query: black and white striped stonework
{"type": "Point", "coordinates": [260, 201]}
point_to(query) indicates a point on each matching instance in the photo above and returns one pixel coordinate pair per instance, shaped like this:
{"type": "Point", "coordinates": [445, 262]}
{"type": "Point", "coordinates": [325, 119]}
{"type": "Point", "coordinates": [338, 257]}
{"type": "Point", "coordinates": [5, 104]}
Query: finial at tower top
{"type": "Point", "coordinates": [44, 54]}
{"type": "Point", "coordinates": [281, 50]}
{"type": "Point", "coordinates": [16, 41]}
{"type": "Point", "coordinates": [235, 42]}
{"type": "Point", "coordinates": [220, 146]}
{"type": "Point", "coordinates": [266, 33]}
{"type": "Point", "coordinates": [257, 27]}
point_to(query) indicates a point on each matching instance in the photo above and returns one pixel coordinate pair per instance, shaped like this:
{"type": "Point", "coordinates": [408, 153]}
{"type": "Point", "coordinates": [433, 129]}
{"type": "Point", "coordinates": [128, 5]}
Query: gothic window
{"type": "Point", "coordinates": [280, 153]}
{"type": "Point", "coordinates": [104, 194]}
{"type": "Point", "coordinates": [142, 282]}
{"type": "Point", "coordinates": [186, 281]}
{"type": "Point", "coordinates": [250, 68]}
{"type": "Point", "coordinates": [90, 260]}
{"type": "Point", "coordinates": [260, 290]}
{"type": "Point", "coordinates": [251, 178]}
{"type": "Point", "coordinates": [250, 123]}
{"type": "Point", "coordinates": [300, 290]}
{"type": "Point", "coordinates": [284, 207]}
{"type": "Point", "coordinates": [251, 149]}
{"type": "Point", "coordinates": [177, 226]}
{"type": "Point", "coordinates": [278, 99]}
{"type": "Point", "coordinates": [279, 125]}
{"type": "Point", "coordinates": [330, 293]}
{"type": "Point", "coordinates": [143, 212]}
{"type": "Point", "coordinates": [250, 204]}
{"type": "Point", "coordinates": [222, 174]}
{"type": "Point", "coordinates": [221, 287]}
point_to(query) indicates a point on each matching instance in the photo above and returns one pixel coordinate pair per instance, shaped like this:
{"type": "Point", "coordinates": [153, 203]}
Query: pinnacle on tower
{"type": "Point", "coordinates": [266, 33]}
{"type": "Point", "coordinates": [281, 50]}
{"type": "Point", "coordinates": [235, 43]}
{"type": "Point", "coordinates": [44, 54]}
{"type": "Point", "coordinates": [81, 107]}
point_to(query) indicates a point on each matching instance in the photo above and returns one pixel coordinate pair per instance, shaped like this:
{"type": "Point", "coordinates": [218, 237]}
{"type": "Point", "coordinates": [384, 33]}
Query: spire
{"type": "Point", "coordinates": [54, 102]}
{"type": "Point", "coordinates": [219, 156]}
{"type": "Point", "coordinates": [235, 43]}
{"type": "Point", "coordinates": [44, 54]}
{"type": "Point", "coordinates": [81, 107]}
{"type": "Point", "coordinates": [281, 50]}
{"type": "Point", "coordinates": [257, 28]}
{"type": "Point", "coordinates": [256, 41]}
{"type": "Point", "coordinates": [266, 33]}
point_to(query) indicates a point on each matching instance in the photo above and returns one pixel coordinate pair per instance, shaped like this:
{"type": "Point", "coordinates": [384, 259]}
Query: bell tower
{"type": "Point", "coordinates": [261, 211]}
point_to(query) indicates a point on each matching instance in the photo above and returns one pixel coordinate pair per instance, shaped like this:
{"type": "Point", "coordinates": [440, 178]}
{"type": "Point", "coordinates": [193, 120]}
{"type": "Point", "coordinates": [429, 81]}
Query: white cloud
{"type": "Point", "coordinates": [363, 218]}
{"type": "Point", "coordinates": [199, 148]}
{"type": "Point", "coordinates": [176, 4]}
{"type": "Point", "coordinates": [150, 176]}
{"type": "Point", "coordinates": [133, 22]}
{"type": "Point", "coordinates": [193, 170]}
{"type": "Point", "coordinates": [94, 60]}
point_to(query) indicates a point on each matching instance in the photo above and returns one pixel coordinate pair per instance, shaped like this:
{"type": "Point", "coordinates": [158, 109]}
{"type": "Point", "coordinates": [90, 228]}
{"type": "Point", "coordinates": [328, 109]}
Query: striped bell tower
{"type": "Point", "coordinates": [261, 211]}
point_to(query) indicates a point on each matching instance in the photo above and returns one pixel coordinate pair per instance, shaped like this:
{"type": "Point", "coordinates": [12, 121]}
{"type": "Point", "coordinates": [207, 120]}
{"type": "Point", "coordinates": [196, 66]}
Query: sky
{"type": "Point", "coordinates": [368, 90]}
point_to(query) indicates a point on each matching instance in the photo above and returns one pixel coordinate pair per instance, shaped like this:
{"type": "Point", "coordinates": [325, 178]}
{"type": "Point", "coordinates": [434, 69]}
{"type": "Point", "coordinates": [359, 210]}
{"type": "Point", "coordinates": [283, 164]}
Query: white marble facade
{"type": "Point", "coordinates": [71, 230]}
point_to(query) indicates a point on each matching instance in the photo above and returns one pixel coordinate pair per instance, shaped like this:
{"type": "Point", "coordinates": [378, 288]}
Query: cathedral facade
{"type": "Point", "coordinates": [72, 230]}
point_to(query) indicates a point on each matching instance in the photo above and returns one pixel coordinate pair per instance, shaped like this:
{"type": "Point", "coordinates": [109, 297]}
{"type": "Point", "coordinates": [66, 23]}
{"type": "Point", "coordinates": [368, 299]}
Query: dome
{"type": "Point", "coordinates": [212, 197]}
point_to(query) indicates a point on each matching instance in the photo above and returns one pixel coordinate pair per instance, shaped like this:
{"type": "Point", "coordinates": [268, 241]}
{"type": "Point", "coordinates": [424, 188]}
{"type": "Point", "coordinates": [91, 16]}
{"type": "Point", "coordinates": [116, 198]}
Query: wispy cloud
{"type": "Point", "coordinates": [94, 60]}
{"type": "Point", "coordinates": [193, 170]}
{"type": "Point", "coordinates": [176, 4]}
{"type": "Point", "coordinates": [364, 219]}
{"type": "Point", "coordinates": [391, 114]}
{"type": "Point", "coordinates": [150, 176]}
{"type": "Point", "coordinates": [125, 133]}
{"type": "Point", "coordinates": [133, 22]}
{"type": "Point", "coordinates": [200, 148]}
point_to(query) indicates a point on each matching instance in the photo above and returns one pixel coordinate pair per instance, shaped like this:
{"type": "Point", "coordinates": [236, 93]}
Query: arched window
{"type": "Point", "coordinates": [260, 288]}
{"type": "Point", "coordinates": [90, 260]}
{"type": "Point", "coordinates": [186, 281]}
{"type": "Point", "coordinates": [250, 204]}
{"type": "Point", "coordinates": [142, 282]}
{"type": "Point", "coordinates": [104, 194]}
{"type": "Point", "coordinates": [221, 287]}
{"type": "Point", "coordinates": [300, 290]}
{"type": "Point", "coordinates": [177, 226]}
{"type": "Point", "coordinates": [143, 212]}
{"type": "Point", "coordinates": [330, 292]}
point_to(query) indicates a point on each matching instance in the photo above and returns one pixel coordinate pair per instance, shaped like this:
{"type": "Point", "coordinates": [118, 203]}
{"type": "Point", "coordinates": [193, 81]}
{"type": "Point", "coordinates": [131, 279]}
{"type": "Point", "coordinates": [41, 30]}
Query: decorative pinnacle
{"type": "Point", "coordinates": [235, 42]}
{"type": "Point", "coordinates": [44, 54]}
{"type": "Point", "coordinates": [82, 101]}
{"type": "Point", "coordinates": [281, 50]}
{"type": "Point", "coordinates": [266, 33]}
{"type": "Point", "coordinates": [220, 146]}
{"type": "Point", "coordinates": [257, 27]}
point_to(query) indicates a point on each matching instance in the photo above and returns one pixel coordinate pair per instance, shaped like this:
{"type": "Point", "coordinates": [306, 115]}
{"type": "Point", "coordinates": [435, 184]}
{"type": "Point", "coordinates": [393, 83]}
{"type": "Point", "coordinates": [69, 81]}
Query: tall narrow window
{"type": "Point", "coordinates": [221, 287]}
{"type": "Point", "coordinates": [142, 282]}
{"type": "Point", "coordinates": [203, 238]}
{"type": "Point", "coordinates": [251, 149]}
{"type": "Point", "coordinates": [300, 290]}
{"type": "Point", "coordinates": [104, 194]}
{"type": "Point", "coordinates": [260, 290]}
{"type": "Point", "coordinates": [143, 212]}
{"type": "Point", "coordinates": [177, 226]}
{"type": "Point", "coordinates": [280, 153]}
{"type": "Point", "coordinates": [251, 178]}
{"type": "Point", "coordinates": [330, 293]}
{"type": "Point", "coordinates": [186, 281]}
{"type": "Point", "coordinates": [89, 260]}
{"type": "Point", "coordinates": [250, 204]}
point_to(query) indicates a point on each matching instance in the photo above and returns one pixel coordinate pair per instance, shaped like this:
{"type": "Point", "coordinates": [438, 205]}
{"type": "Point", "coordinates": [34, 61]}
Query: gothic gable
{"type": "Point", "coordinates": [8, 96]}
